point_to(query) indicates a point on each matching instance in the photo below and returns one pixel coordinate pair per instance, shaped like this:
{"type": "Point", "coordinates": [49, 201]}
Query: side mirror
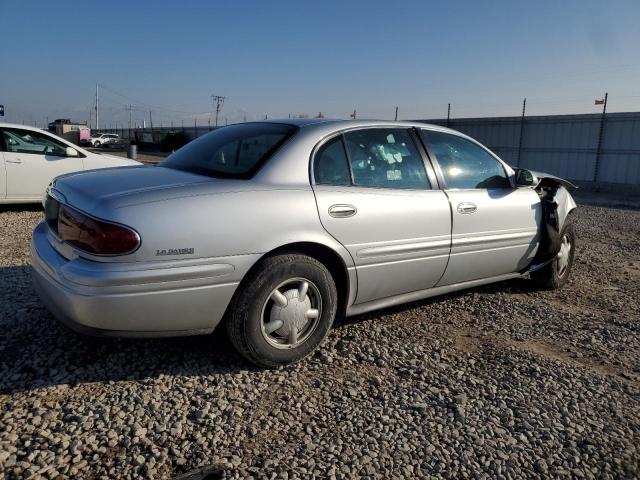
{"type": "Point", "coordinates": [525, 178]}
{"type": "Point", "coordinates": [71, 152]}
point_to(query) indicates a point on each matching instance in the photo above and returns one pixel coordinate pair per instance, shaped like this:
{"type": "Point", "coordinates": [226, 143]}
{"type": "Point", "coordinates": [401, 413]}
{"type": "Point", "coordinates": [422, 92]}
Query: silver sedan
{"type": "Point", "coordinates": [276, 228]}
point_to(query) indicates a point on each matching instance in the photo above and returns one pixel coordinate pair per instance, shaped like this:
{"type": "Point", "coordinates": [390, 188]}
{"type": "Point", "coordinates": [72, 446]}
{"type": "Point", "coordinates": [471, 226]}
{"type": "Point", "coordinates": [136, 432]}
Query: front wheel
{"type": "Point", "coordinates": [282, 310]}
{"type": "Point", "coordinates": [556, 273]}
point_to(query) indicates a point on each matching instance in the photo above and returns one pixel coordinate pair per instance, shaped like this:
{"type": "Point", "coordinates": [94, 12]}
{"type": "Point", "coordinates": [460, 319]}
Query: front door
{"type": "Point", "coordinates": [495, 226]}
{"type": "Point", "coordinates": [32, 160]}
{"type": "Point", "coordinates": [375, 197]}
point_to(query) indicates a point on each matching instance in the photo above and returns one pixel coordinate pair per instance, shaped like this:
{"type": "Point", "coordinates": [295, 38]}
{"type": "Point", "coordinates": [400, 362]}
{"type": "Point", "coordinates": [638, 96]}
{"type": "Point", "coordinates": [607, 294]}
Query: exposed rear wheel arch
{"type": "Point", "coordinates": [325, 255]}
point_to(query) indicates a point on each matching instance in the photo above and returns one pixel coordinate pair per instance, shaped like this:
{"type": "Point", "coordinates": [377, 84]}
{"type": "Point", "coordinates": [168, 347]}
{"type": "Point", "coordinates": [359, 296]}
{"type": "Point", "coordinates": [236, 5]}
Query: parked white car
{"type": "Point", "coordinates": [30, 158]}
{"type": "Point", "coordinates": [104, 139]}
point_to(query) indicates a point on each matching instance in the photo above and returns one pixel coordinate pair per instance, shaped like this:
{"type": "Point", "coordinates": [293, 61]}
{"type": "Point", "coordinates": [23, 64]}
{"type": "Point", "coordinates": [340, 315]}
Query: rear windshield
{"type": "Point", "coordinates": [236, 151]}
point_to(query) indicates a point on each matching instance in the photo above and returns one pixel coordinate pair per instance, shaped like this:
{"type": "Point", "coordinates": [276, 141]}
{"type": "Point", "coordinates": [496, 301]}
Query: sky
{"type": "Point", "coordinates": [282, 58]}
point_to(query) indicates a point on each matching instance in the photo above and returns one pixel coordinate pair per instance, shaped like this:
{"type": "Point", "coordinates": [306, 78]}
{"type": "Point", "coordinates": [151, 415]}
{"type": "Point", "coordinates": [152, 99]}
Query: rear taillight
{"type": "Point", "coordinates": [95, 236]}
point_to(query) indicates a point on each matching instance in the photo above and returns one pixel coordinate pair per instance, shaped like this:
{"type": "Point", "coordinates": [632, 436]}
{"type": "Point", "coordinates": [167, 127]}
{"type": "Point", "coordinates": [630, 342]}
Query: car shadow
{"type": "Point", "coordinates": [37, 351]}
{"type": "Point", "coordinates": [514, 286]}
{"type": "Point", "coordinates": [21, 207]}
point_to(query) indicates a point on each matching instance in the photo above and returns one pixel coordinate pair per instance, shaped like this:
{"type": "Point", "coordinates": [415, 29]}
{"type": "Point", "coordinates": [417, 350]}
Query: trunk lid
{"type": "Point", "coordinates": [113, 186]}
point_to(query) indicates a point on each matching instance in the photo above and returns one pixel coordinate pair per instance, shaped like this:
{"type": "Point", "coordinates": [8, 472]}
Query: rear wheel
{"type": "Point", "coordinates": [556, 273]}
{"type": "Point", "coordinates": [282, 310]}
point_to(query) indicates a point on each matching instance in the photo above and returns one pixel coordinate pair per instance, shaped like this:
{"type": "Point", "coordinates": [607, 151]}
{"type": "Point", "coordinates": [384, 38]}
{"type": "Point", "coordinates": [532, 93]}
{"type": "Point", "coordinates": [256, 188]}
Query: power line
{"type": "Point", "coordinates": [149, 105]}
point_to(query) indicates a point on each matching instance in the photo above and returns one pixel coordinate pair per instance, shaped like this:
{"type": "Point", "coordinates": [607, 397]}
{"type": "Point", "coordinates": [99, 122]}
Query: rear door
{"type": "Point", "coordinates": [379, 198]}
{"type": "Point", "coordinates": [32, 160]}
{"type": "Point", "coordinates": [495, 225]}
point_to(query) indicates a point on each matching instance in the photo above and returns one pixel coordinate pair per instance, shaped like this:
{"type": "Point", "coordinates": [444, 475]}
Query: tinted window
{"type": "Point", "coordinates": [330, 163]}
{"type": "Point", "coordinates": [385, 157]}
{"type": "Point", "coordinates": [464, 164]}
{"type": "Point", "coordinates": [27, 141]}
{"type": "Point", "coordinates": [234, 151]}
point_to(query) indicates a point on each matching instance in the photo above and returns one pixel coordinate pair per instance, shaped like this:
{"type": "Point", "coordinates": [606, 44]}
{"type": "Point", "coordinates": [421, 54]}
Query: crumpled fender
{"type": "Point", "coordinates": [548, 180]}
{"type": "Point", "coordinates": [565, 202]}
{"type": "Point", "coordinates": [562, 196]}
{"type": "Point", "coordinates": [557, 203]}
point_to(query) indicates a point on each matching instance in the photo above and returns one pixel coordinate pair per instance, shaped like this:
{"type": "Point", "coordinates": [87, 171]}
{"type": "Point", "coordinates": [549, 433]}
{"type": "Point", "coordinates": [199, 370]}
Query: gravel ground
{"type": "Point", "coordinates": [498, 381]}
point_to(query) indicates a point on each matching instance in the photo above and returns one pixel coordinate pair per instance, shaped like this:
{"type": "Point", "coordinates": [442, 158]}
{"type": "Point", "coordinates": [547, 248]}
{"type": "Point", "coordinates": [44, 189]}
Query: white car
{"type": "Point", "coordinates": [104, 139]}
{"type": "Point", "coordinates": [30, 158]}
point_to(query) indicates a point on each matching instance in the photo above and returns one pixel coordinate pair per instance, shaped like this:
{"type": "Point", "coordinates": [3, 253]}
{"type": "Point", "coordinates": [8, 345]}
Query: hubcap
{"type": "Point", "coordinates": [563, 255]}
{"type": "Point", "coordinates": [291, 313]}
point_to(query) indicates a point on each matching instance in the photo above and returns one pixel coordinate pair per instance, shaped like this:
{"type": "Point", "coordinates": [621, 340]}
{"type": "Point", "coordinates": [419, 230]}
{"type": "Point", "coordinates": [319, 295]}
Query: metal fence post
{"type": "Point", "coordinates": [600, 135]}
{"type": "Point", "coordinates": [524, 106]}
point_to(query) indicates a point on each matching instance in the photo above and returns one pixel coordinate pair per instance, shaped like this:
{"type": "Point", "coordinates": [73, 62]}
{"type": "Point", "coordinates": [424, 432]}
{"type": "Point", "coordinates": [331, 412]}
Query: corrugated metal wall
{"type": "Point", "coordinates": [563, 145]}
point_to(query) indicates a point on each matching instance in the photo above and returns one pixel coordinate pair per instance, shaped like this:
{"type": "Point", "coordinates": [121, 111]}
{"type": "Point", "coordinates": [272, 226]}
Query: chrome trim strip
{"type": "Point", "coordinates": [459, 239]}
{"type": "Point", "coordinates": [403, 248]}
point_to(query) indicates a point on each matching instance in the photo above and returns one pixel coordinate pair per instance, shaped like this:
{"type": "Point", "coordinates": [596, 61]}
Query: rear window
{"type": "Point", "coordinates": [236, 151]}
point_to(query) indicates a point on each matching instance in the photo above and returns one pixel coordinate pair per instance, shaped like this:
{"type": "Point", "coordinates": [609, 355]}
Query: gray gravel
{"type": "Point", "coordinates": [498, 381]}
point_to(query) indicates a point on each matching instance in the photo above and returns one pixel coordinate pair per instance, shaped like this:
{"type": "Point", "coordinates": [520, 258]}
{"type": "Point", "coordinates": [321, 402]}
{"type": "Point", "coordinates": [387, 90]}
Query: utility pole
{"type": "Point", "coordinates": [353, 115]}
{"type": "Point", "coordinates": [97, 106]}
{"type": "Point", "coordinates": [130, 108]}
{"type": "Point", "coordinates": [448, 114]}
{"type": "Point", "coordinates": [396, 114]}
{"type": "Point", "coordinates": [218, 100]}
{"type": "Point", "coordinates": [150, 120]}
{"type": "Point", "coordinates": [600, 135]}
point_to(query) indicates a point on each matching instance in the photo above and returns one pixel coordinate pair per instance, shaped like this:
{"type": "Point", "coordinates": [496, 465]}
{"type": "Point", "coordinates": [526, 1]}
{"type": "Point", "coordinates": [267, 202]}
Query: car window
{"type": "Point", "coordinates": [236, 151]}
{"type": "Point", "coordinates": [331, 165]}
{"type": "Point", "coordinates": [385, 157]}
{"type": "Point", "coordinates": [27, 141]}
{"type": "Point", "coordinates": [465, 164]}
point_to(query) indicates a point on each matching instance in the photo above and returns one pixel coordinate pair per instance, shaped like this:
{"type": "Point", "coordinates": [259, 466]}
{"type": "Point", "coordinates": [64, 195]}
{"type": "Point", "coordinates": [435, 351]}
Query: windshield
{"type": "Point", "coordinates": [236, 151]}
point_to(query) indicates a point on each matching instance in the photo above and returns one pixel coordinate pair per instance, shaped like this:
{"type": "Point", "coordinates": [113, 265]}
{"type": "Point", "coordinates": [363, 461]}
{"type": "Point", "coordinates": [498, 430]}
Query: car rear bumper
{"type": "Point", "coordinates": [109, 299]}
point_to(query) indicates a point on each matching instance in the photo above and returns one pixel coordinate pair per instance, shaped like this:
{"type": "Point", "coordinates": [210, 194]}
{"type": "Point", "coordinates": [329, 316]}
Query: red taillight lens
{"type": "Point", "coordinates": [95, 236]}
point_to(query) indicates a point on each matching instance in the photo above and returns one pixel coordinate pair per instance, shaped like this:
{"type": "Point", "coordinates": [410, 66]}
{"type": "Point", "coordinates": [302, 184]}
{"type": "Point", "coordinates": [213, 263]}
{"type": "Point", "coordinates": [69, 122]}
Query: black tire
{"type": "Point", "coordinates": [97, 144]}
{"type": "Point", "coordinates": [245, 318]}
{"type": "Point", "coordinates": [552, 276]}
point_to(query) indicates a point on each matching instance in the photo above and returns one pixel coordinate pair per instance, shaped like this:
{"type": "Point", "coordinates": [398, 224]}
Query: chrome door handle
{"type": "Point", "coordinates": [17, 160]}
{"type": "Point", "coordinates": [467, 207]}
{"type": "Point", "coordinates": [342, 211]}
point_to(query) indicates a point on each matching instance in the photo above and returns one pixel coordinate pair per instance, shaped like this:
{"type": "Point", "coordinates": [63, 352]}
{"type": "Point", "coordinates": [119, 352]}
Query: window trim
{"type": "Point", "coordinates": [316, 151]}
{"type": "Point", "coordinates": [342, 132]}
{"type": "Point", "coordinates": [3, 146]}
{"type": "Point", "coordinates": [438, 168]}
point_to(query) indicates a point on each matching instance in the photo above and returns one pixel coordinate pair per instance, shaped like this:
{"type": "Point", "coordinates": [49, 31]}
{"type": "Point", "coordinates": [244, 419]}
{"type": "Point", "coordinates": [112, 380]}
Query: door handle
{"type": "Point", "coordinates": [17, 160]}
{"type": "Point", "coordinates": [466, 208]}
{"type": "Point", "coordinates": [342, 211]}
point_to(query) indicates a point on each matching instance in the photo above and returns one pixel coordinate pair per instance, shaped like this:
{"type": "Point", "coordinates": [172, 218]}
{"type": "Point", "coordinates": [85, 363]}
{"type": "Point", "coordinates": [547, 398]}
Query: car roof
{"type": "Point", "coordinates": [340, 124]}
{"type": "Point", "coordinates": [21, 126]}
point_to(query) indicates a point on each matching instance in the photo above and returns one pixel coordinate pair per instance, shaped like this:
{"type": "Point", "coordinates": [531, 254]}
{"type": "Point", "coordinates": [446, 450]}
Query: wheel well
{"type": "Point", "coordinates": [329, 258]}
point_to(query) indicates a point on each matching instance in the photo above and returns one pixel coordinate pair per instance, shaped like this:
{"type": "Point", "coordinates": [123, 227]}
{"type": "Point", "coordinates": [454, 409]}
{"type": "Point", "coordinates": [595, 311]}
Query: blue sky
{"type": "Point", "coordinates": [293, 57]}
